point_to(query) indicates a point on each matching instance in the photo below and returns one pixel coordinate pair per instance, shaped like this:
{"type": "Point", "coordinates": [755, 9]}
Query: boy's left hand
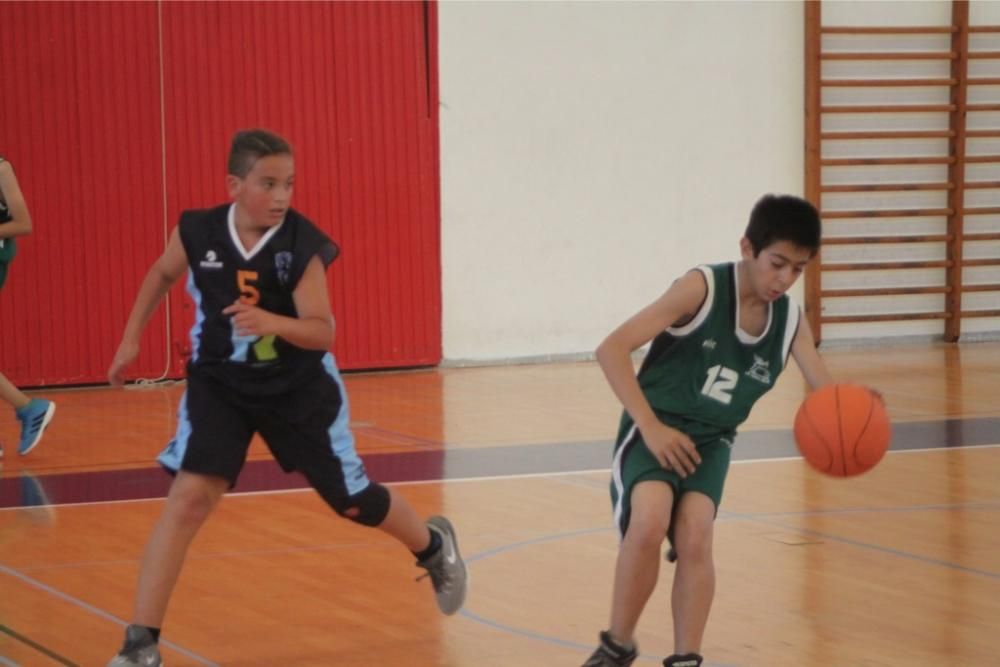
{"type": "Point", "coordinates": [251, 320]}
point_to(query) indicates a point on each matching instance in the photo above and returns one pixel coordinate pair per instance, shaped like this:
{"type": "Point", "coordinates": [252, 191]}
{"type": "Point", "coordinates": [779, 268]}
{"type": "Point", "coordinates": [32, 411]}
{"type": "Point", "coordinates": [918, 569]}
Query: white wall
{"type": "Point", "coordinates": [593, 151]}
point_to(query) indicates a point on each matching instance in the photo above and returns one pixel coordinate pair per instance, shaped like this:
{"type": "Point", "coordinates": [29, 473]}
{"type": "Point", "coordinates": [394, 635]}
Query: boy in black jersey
{"type": "Point", "coordinates": [260, 363]}
{"type": "Point", "coordinates": [720, 336]}
{"type": "Point", "coordinates": [33, 413]}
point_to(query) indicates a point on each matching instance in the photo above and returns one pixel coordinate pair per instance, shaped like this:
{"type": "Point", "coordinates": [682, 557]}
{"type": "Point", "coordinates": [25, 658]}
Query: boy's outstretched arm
{"type": "Point", "coordinates": [20, 223]}
{"type": "Point", "coordinates": [807, 357]}
{"type": "Point", "coordinates": [158, 281]}
{"type": "Point", "coordinates": [311, 330]}
{"type": "Point", "coordinates": [673, 449]}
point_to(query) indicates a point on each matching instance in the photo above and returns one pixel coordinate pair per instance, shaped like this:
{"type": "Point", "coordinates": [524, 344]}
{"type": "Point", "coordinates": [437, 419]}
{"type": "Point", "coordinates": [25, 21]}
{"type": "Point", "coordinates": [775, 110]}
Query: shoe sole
{"type": "Point", "coordinates": [441, 524]}
{"type": "Point", "coordinates": [49, 414]}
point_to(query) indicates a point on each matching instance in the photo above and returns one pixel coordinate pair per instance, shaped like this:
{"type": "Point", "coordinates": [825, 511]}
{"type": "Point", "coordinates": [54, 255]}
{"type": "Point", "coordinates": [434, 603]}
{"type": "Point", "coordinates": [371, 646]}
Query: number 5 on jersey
{"type": "Point", "coordinates": [248, 293]}
{"type": "Point", "coordinates": [264, 347]}
{"type": "Point", "coordinates": [720, 383]}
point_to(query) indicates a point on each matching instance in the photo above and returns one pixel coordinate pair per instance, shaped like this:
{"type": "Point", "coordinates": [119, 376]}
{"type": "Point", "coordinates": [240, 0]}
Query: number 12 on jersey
{"type": "Point", "coordinates": [720, 382]}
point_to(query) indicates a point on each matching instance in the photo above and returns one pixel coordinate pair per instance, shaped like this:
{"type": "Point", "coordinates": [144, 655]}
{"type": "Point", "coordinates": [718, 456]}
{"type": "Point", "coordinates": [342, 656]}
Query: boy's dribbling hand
{"type": "Point", "coordinates": [126, 354]}
{"type": "Point", "coordinates": [250, 320]}
{"type": "Point", "coordinates": [672, 448]}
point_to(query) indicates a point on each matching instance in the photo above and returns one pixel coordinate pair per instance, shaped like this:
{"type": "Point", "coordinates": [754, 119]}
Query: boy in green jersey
{"type": "Point", "coordinates": [720, 336]}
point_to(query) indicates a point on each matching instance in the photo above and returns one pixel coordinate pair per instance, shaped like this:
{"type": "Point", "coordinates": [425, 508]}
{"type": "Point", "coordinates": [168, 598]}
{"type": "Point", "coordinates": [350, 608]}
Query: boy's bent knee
{"type": "Point", "coordinates": [693, 540]}
{"type": "Point", "coordinates": [193, 497]}
{"type": "Point", "coordinates": [646, 532]}
{"type": "Point", "coordinates": [368, 507]}
{"type": "Point", "coordinates": [694, 547]}
{"type": "Point", "coordinates": [192, 506]}
{"type": "Point", "coordinates": [694, 527]}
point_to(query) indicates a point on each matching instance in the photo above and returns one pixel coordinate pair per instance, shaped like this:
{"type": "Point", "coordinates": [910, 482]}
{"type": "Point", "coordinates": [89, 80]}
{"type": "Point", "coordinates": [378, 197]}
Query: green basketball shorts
{"type": "Point", "coordinates": [634, 463]}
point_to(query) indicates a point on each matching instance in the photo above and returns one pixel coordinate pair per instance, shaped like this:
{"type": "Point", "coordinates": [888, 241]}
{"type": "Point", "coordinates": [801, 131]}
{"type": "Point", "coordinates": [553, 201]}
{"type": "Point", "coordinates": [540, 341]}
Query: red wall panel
{"type": "Point", "coordinates": [347, 84]}
{"type": "Point", "coordinates": [352, 85]}
{"type": "Point", "coordinates": [79, 119]}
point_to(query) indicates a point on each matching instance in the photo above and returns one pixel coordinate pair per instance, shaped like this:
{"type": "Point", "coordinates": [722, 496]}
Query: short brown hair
{"type": "Point", "coordinates": [251, 145]}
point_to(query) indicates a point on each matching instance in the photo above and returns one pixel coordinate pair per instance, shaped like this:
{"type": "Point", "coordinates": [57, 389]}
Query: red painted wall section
{"type": "Point", "coordinates": [79, 120]}
{"type": "Point", "coordinates": [353, 86]}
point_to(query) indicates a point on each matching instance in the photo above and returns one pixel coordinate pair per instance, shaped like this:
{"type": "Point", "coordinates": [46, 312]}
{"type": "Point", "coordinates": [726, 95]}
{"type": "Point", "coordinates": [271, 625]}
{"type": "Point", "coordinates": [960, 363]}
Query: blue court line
{"type": "Point", "coordinates": [871, 547]}
{"type": "Point", "coordinates": [762, 518]}
{"type": "Point", "coordinates": [553, 537]}
{"type": "Point", "coordinates": [564, 643]}
{"type": "Point", "coordinates": [98, 612]}
{"type": "Point", "coordinates": [555, 640]}
{"type": "Point", "coordinates": [987, 505]}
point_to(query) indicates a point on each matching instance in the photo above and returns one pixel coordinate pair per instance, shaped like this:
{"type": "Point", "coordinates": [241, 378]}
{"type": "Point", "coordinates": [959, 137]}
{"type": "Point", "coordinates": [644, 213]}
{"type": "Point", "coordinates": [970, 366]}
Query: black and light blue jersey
{"type": "Point", "coordinates": [222, 271]}
{"type": "Point", "coordinates": [8, 247]}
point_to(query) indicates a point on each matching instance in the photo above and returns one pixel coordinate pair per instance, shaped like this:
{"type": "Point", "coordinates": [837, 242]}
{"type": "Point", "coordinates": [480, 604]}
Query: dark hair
{"type": "Point", "coordinates": [783, 218]}
{"type": "Point", "coordinates": [251, 145]}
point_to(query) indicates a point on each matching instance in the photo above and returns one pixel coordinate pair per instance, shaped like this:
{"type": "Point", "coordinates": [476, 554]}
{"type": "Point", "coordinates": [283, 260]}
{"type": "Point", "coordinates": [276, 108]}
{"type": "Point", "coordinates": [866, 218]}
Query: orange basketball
{"type": "Point", "coordinates": [842, 429]}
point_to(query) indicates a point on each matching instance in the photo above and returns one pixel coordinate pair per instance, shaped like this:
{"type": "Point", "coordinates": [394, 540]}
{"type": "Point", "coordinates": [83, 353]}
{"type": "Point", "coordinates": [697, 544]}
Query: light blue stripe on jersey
{"type": "Point", "coordinates": [341, 438]}
{"type": "Point", "coordinates": [195, 293]}
{"type": "Point", "coordinates": [173, 455]}
{"type": "Point", "coordinates": [241, 346]}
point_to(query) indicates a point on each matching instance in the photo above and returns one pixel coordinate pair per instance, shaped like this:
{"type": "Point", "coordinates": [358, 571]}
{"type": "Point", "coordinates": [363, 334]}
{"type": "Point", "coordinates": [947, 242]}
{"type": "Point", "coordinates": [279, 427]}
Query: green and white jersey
{"type": "Point", "coordinates": [704, 377]}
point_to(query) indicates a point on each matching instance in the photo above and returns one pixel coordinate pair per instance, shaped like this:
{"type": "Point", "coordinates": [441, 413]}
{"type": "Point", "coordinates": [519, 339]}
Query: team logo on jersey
{"type": "Point", "coordinates": [211, 261]}
{"type": "Point", "coordinates": [760, 370]}
{"type": "Point", "coordinates": [709, 344]}
{"type": "Point", "coordinates": [283, 265]}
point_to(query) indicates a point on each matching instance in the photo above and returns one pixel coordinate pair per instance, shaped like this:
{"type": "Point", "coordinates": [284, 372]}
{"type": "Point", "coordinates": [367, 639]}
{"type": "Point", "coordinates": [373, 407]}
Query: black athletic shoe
{"type": "Point", "coordinates": [612, 654]}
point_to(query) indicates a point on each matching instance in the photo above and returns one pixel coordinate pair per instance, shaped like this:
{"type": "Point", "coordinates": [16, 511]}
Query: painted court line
{"type": "Point", "coordinates": [868, 546]}
{"type": "Point", "coordinates": [528, 634]}
{"type": "Point", "coordinates": [758, 518]}
{"type": "Point", "coordinates": [485, 478]}
{"type": "Point", "coordinates": [100, 613]}
{"type": "Point", "coordinates": [38, 647]}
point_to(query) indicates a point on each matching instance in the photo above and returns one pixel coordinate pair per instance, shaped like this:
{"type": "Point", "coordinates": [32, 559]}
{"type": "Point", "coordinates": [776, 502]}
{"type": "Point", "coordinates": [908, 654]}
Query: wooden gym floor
{"type": "Point", "coordinates": [899, 567]}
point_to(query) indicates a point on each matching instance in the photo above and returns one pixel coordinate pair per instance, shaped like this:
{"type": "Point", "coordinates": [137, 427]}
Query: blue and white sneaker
{"type": "Point", "coordinates": [34, 417]}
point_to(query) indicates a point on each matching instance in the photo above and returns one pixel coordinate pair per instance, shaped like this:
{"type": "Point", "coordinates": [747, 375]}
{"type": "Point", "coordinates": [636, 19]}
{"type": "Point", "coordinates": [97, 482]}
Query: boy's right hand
{"type": "Point", "coordinates": [672, 448]}
{"type": "Point", "coordinates": [126, 354]}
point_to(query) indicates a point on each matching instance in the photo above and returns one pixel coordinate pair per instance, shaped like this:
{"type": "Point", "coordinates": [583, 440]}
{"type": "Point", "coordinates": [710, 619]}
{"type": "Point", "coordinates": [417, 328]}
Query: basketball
{"type": "Point", "coordinates": [842, 429]}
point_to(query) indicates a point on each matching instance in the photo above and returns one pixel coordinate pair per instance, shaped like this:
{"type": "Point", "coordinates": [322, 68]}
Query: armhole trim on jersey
{"type": "Point", "coordinates": [705, 308]}
{"type": "Point", "coordinates": [791, 328]}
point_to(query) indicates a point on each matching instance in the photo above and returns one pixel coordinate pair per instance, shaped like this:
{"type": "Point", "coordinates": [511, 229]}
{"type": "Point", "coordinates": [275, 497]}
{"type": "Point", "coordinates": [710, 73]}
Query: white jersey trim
{"type": "Point", "coordinates": [791, 328]}
{"type": "Point", "coordinates": [706, 306]}
{"type": "Point", "coordinates": [742, 335]}
{"type": "Point", "coordinates": [231, 222]}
